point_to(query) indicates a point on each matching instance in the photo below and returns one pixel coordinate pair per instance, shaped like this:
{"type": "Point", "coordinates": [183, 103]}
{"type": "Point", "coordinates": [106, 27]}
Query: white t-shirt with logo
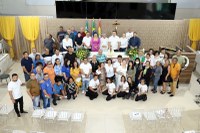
{"type": "Point", "coordinates": [94, 84]}
{"type": "Point", "coordinates": [87, 41]}
{"type": "Point", "coordinates": [114, 42]}
{"type": "Point", "coordinates": [86, 68]}
{"type": "Point", "coordinates": [15, 87]}
{"type": "Point", "coordinates": [111, 88]}
{"type": "Point", "coordinates": [142, 88]}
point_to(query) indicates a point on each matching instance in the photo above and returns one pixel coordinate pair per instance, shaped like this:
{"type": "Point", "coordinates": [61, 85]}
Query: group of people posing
{"type": "Point", "coordinates": [63, 76]}
{"type": "Point", "coordinates": [92, 41]}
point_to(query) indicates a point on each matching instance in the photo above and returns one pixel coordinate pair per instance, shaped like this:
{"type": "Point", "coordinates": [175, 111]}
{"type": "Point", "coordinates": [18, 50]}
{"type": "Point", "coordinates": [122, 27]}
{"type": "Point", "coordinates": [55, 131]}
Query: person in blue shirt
{"type": "Point", "coordinates": [47, 91]}
{"type": "Point", "coordinates": [66, 70]}
{"type": "Point", "coordinates": [27, 65]}
{"type": "Point", "coordinates": [38, 59]}
{"type": "Point", "coordinates": [101, 58]}
{"type": "Point", "coordinates": [134, 42]}
{"type": "Point", "coordinates": [59, 92]}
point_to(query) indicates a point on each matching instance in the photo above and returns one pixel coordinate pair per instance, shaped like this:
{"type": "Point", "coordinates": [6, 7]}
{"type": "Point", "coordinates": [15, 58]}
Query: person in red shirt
{"type": "Point", "coordinates": [82, 32]}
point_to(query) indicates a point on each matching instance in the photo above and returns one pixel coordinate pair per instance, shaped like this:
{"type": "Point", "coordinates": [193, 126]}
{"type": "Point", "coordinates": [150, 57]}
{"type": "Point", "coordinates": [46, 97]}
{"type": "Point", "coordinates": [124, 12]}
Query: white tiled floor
{"type": "Point", "coordinates": [107, 117]}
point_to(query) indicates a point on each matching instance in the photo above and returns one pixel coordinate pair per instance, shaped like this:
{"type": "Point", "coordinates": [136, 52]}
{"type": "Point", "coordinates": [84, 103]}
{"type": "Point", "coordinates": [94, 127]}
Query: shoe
{"type": "Point", "coordinates": [162, 92]}
{"type": "Point", "coordinates": [65, 97]}
{"type": "Point", "coordinates": [171, 95]}
{"type": "Point", "coordinates": [154, 91]}
{"type": "Point", "coordinates": [83, 92]}
{"type": "Point", "coordinates": [123, 97]}
{"type": "Point", "coordinates": [169, 92]}
{"type": "Point", "coordinates": [54, 103]}
{"type": "Point", "coordinates": [24, 112]}
{"type": "Point", "coordinates": [18, 115]}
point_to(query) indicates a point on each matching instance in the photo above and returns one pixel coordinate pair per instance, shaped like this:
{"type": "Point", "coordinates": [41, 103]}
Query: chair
{"type": "Point", "coordinates": [18, 131]}
{"type": "Point", "coordinates": [63, 121]}
{"type": "Point", "coordinates": [78, 122]}
{"type": "Point", "coordinates": [49, 120]}
{"type": "Point", "coordinates": [4, 76]}
{"type": "Point", "coordinates": [136, 120]}
{"type": "Point", "coordinates": [151, 120]}
{"type": "Point", "coordinates": [5, 113]}
{"type": "Point", "coordinates": [176, 115]}
{"type": "Point", "coordinates": [37, 119]}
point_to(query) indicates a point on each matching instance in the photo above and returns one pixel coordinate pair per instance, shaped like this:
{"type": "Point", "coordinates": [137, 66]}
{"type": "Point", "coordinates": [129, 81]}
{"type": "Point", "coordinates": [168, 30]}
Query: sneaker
{"type": "Point", "coordinates": [54, 103]}
{"type": "Point", "coordinates": [171, 95]}
{"type": "Point", "coordinates": [65, 97]}
{"type": "Point", "coordinates": [83, 92]}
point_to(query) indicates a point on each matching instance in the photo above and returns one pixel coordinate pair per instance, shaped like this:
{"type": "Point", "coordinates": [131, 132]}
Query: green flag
{"type": "Point", "coordinates": [86, 26]}
{"type": "Point", "coordinates": [93, 26]}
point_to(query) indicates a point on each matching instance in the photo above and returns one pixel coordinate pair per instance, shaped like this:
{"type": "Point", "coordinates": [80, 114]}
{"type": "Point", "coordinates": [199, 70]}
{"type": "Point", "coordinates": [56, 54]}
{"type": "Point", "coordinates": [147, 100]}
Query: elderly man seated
{"type": "Point", "coordinates": [101, 58]}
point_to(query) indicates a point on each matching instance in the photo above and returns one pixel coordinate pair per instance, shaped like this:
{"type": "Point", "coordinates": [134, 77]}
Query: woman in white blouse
{"type": "Point", "coordinates": [123, 43]}
{"type": "Point", "coordinates": [121, 71]}
{"type": "Point", "coordinates": [109, 69]}
{"type": "Point", "coordinates": [110, 90]}
{"type": "Point", "coordinates": [67, 42]}
{"type": "Point", "coordinates": [123, 88]}
{"type": "Point", "coordinates": [104, 43]}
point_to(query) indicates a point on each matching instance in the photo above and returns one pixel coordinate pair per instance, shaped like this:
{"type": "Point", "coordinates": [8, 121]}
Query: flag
{"type": "Point", "coordinates": [86, 26]}
{"type": "Point", "coordinates": [93, 26]}
{"type": "Point", "coordinates": [99, 28]}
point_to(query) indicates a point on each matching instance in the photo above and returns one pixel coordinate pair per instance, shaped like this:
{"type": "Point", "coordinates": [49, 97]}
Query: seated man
{"type": "Point", "coordinates": [59, 92]}
{"type": "Point", "coordinates": [142, 94]}
{"type": "Point", "coordinates": [92, 92]}
{"type": "Point", "coordinates": [101, 58]}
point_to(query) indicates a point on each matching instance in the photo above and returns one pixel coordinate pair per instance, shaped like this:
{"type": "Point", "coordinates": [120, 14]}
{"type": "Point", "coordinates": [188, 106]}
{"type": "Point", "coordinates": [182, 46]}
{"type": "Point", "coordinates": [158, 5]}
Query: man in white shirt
{"type": "Point", "coordinates": [142, 94]}
{"type": "Point", "coordinates": [33, 54]}
{"type": "Point", "coordinates": [87, 41]}
{"type": "Point", "coordinates": [113, 42]}
{"type": "Point", "coordinates": [14, 89]}
{"type": "Point", "coordinates": [86, 70]}
{"type": "Point", "coordinates": [92, 92]}
{"type": "Point", "coordinates": [67, 42]}
{"type": "Point", "coordinates": [104, 43]}
{"type": "Point", "coordinates": [129, 34]}
{"type": "Point", "coordinates": [57, 55]}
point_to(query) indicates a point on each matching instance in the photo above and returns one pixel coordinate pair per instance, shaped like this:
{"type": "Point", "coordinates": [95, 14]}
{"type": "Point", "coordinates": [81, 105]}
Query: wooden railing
{"type": "Point", "coordinates": [186, 74]}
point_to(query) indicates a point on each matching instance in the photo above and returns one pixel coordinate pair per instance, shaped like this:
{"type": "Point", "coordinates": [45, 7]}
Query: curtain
{"type": "Point", "coordinates": [30, 28]}
{"type": "Point", "coordinates": [194, 32]}
{"type": "Point", "coordinates": [7, 30]}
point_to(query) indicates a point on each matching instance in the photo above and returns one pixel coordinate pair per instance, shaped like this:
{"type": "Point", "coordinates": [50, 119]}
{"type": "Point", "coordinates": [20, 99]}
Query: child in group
{"type": "Point", "coordinates": [101, 72]}
{"type": "Point", "coordinates": [142, 94]}
{"type": "Point", "coordinates": [110, 90]}
{"type": "Point", "coordinates": [59, 92]}
{"type": "Point", "coordinates": [72, 88]}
